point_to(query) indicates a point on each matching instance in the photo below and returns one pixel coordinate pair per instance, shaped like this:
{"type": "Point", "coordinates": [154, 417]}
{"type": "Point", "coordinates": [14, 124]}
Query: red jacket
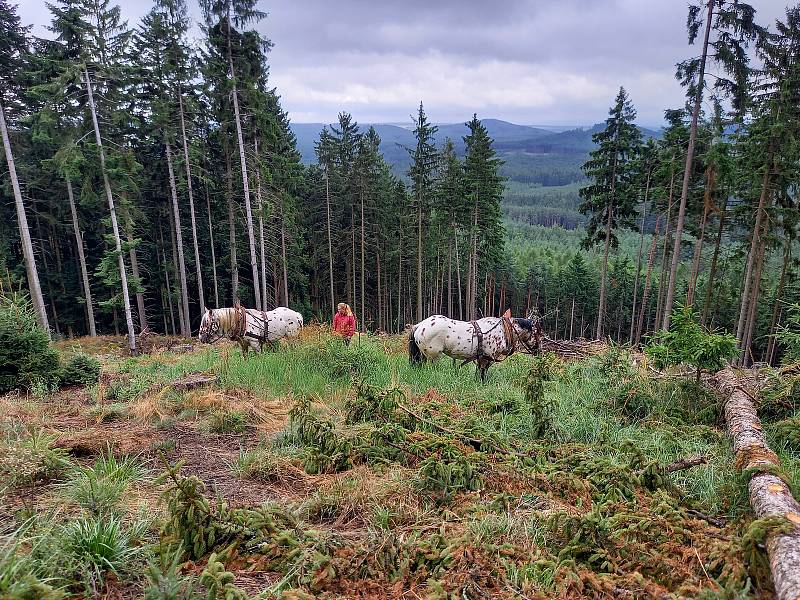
{"type": "Point", "coordinates": [344, 325]}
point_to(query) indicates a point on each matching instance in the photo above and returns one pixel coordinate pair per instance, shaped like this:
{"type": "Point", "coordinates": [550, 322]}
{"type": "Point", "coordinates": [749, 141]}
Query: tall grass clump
{"type": "Point", "coordinates": [99, 488]}
{"type": "Point", "coordinates": [19, 579]}
{"type": "Point", "coordinates": [94, 547]}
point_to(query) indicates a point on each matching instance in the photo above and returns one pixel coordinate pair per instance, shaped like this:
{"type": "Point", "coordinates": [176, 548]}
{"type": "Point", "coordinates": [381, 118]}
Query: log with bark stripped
{"type": "Point", "coordinates": [769, 495]}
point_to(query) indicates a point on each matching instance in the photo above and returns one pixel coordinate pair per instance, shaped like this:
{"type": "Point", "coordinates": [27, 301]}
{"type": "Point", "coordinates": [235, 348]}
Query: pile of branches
{"type": "Point", "coordinates": [573, 349]}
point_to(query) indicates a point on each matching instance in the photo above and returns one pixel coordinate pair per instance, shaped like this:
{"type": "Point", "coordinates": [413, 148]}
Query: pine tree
{"type": "Point", "coordinates": [611, 197]}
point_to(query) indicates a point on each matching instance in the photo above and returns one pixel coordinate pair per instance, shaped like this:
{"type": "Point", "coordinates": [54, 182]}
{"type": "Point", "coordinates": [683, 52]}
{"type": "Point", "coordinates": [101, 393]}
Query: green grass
{"type": "Point", "coordinates": [583, 402]}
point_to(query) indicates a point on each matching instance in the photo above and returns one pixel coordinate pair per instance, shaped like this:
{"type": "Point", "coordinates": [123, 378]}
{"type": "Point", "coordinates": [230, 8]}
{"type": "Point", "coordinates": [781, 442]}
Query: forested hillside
{"type": "Point", "coordinates": [146, 178]}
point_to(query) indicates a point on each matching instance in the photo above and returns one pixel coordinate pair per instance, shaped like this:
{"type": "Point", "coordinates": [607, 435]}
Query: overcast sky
{"type": "Point", "coordinates": [547, 62]}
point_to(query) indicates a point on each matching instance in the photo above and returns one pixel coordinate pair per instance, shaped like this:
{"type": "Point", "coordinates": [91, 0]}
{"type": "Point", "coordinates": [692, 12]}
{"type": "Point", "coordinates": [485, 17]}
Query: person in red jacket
{"type": "Point", "coordinates": [344, 323]}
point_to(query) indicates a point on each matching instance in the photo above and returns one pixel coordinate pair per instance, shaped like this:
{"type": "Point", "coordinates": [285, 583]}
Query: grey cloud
{"type": "Point", "coordinates": [529, 61]}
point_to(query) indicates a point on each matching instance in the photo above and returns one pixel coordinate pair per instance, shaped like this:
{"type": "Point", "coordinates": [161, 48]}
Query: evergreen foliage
{"type": "Point", "coordinates": [688, 343]}
{"type": "Point", "coordinates": [26, 357]}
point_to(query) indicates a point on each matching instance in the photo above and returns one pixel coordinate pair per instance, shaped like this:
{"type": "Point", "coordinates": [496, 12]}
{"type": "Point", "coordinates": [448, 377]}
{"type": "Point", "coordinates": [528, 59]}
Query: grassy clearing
{"type": "Point", "coordinates": [346, 472]}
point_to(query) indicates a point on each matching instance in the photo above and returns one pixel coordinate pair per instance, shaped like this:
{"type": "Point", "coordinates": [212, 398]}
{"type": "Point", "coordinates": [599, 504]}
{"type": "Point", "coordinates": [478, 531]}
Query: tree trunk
{"type": "Point", "coordinates": [261, 237]}
{"type": "Point", "coordinates": [450, 280]}
{"type": "Point", "coordinates": [232, 232]}
{"type": "Point", "coordinates": [712, 273]}
{"type": "Point", "coordinates": [687, 174]}
{"type": "Point", "coordinates": [665, 253]}
{"type": "Point", "coordinates": [24, 232]}
{"type": "Point", "coordinates": [458, 276]}
{"type": "Point", "coordinates": [751, 257]}
{"type": "Point", "coordinates": [776, 307]}
{"type": "Point", "coordinates": [711, 177]}
{"type": "Point", "coordinates": [284, 260]}
{"type": "Point", "coordinates": [379, 307]}
{"type": "Point", "coordinates": [363, 265]}
{"type": "Point", "coordinates": [646, 293]}
{"type": "Point", "coordinates": [87, 292]}
{"type": "Point", "coordinates": [752, 316]}
{"type": "Point", "coordinates": [251, 238]}
{"type": "Point", "coordinates": [114, 225]}
{"type": "Point", "coordinates": [639, 260]}
{"type": "Point", "coordinates": [602, 308]}
{"type": "Point", "coordinates": [198, 270]}
{"type": "Point", "coordinates": [769, 495]}
{"type": "Point", "coordinates": [186, 329]}
{"type": "Point", "coordinates": [330, 243]}
{"type": "Point", "coordinates": [419, 260]}
{"type": "Point", "coordinates": [473, 301]}
{"type": "Point", "coordinates": [572, 318]}
{"type": "Point", "coordinates": [167, 283]}
{"type": "Point", "coordinates": [140, 307]}
{"type": "Point", "coordinates": [213, 251]}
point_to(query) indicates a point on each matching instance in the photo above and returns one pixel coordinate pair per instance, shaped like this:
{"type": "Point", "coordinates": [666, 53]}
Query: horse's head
{"type": "Point", "coordinates": [209, 327]}
{"type": "Point", "coordinates": [528, 332]}
{"type": "Point", "coordinates": [523, 328]}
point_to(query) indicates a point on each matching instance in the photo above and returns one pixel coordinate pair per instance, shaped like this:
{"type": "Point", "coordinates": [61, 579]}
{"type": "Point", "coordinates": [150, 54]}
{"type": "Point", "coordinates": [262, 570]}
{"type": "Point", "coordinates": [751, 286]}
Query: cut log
{"type": "Point", "coordinates": [194, 380]}
{"type": "Point", "coordinates": [769, 495]}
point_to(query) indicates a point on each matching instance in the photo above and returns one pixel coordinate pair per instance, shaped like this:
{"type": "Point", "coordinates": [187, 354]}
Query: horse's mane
{"type": "Point", "coordinates": [226, 318]}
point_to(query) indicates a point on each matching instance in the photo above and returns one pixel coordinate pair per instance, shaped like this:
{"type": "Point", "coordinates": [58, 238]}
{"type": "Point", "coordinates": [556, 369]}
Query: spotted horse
{"type": "Point", "coordinates": [484, 341]}
{"type": "Point", "coordinates": [252, 328]}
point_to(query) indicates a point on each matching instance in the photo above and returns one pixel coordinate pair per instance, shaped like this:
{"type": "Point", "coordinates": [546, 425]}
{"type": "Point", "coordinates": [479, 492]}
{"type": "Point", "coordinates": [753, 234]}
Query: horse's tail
{"type": "Point", "coordinates": [414, 353]}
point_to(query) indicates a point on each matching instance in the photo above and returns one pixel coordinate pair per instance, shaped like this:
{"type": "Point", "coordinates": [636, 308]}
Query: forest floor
{"type": "Point", "coordinates": [323, 471]}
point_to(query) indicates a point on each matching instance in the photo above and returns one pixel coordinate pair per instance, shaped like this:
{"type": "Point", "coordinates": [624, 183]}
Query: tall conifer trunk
{"type": "Point", "coordinates": [87, 291]}
{"type": "Point", "coordinates": [114, 225]}
{"type": "Point", "coordinates": [639, 260]}
{"type": "Point", "coordinates": [251, 238]}
{"type": "Point", "coordinates": [602, 305]}
{"type": "Point", "coordinates": [213, 251]}
{"type": "Point", "coordinates": [711, 178]}
{"type": "Point", "coordinates": [751, 257]}
{"type": "Point", "coordinates": [24, 232]}
{"type": "Point", "coordinates": [140, 307]}
{"type": "Point", "coordinates": [186, 329]}
{"type": "Point", "coordinates": [687, 173]}
{"type": "Point", "coordinates": [284, 259]}
{"type": "Point", "coordinates": [232, 231]}
{"type": "Point", "coordinates": [330, 242]}
{"type": "Point", "coordinates": [190, 191]}
{"type": "Point", "coordinates": [713, 271]}
{"type": "Point", "coordinates": [646, 293]}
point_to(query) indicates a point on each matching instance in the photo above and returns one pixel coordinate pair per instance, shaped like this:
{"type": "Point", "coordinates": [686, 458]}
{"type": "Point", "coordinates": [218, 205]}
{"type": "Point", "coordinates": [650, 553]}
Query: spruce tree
{"type": "Point", "coordinates": [13, 45]}
{"type": "Point", "coordinates": [732, 22]}
{"type": "Point", "coordinates": [611, 197]}
{"type": "Point", "coordinates": [422, 172]}
{"type": "Point", "coordinates": [483, 187]}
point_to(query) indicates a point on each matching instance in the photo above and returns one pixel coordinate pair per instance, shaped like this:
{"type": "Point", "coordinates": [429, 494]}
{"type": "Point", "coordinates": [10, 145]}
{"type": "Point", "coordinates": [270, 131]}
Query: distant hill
{"type": "Point", "coordinates": [532, 154]}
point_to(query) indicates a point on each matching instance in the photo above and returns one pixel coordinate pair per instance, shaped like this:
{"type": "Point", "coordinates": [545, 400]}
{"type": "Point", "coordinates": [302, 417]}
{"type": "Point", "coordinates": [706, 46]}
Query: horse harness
{"type": "Point", "coordinates": [239, 328]}
{"type": "Point", "coordinates": [508, 334]}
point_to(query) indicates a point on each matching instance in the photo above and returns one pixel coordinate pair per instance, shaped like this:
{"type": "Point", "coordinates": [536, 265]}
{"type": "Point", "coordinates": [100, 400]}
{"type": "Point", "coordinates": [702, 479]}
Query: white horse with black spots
{"type": "Point", "coordinates": [252, 328]}
{"type": "Point", "coordinates": [485, 341]}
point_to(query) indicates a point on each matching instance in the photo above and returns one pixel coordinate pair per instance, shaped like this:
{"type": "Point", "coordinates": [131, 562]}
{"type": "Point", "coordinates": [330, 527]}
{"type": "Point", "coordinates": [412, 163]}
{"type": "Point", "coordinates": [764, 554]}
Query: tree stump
{"type": "Point", "coordinates": [193, 381]}
{"type": "Point", "coordinates": [769, 495]}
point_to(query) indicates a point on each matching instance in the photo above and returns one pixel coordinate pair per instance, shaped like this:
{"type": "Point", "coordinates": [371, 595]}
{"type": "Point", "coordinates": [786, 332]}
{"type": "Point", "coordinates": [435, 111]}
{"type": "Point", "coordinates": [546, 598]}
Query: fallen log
{"type": "Point", "coordinates": [769, 495]}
